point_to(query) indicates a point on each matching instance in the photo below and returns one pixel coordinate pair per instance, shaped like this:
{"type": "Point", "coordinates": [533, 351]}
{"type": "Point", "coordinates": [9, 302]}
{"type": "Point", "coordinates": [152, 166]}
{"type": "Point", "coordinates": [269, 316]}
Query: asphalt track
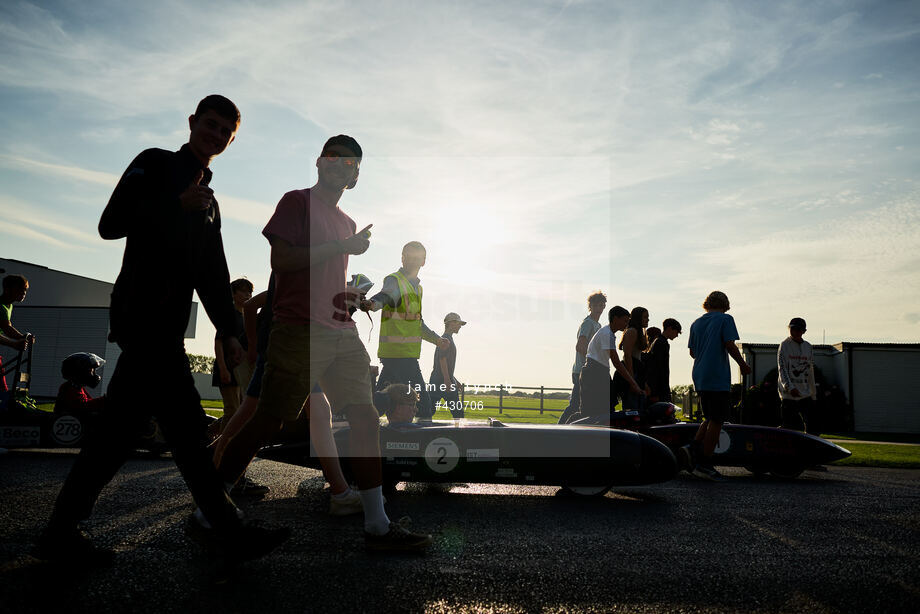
{"type": "Point", "coordinates": [847, 540]}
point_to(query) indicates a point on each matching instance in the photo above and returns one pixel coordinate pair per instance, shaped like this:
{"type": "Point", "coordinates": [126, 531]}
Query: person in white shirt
{"type": "Point", "coordinates": [595, 375]}
{"type": "Point", "coordinates": [795, 362]}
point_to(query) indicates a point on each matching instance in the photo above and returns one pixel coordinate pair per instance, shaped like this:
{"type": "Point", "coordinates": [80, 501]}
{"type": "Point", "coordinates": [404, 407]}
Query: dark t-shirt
{"type": "Point", "coordinates": [451, 355]}
{"type": "Point", "coordinates": [657, 368]}
{"type": "Point", "coordinates": [316, 293]}
{"type": "Point", "coordinates": [162, 237]}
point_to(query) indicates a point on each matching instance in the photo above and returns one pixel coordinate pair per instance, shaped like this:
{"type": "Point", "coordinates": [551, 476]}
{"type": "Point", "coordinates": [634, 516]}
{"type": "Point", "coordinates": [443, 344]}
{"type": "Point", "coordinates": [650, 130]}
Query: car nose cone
{"type": "Point", "coordinates": [658, 462]}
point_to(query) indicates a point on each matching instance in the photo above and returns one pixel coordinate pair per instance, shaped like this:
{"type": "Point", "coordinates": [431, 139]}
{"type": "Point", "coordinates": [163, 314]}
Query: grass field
{"type": "Point", "coordinates": [882, 455]}
{"type": "Point", "coordinates": [885, 437]}
{"type": "Point", "coordinates": [509, 415]}
{"type": "Point", "coordinates": [518, 402]}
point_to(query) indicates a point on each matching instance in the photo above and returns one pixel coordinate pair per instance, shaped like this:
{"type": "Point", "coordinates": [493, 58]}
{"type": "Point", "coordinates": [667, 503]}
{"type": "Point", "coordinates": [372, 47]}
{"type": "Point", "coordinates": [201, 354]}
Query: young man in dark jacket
{"type": "Point", "coordinates": [165, 210]}
{"type": "Point", "coordinates": [657, 362]}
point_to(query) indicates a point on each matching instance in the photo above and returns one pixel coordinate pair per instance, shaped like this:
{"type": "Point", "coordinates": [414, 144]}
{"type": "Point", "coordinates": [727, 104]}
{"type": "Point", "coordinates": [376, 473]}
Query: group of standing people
{"type": "Point", "coordinates": [640, 378]}
{"type": "Point", "coordinates": [642, 375]}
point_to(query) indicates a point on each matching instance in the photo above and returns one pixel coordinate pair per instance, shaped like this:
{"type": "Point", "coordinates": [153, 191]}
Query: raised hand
{"type": "Point", "coordinates": [196, 197]}
{"type": "Point", "coordinates": [358, 242]}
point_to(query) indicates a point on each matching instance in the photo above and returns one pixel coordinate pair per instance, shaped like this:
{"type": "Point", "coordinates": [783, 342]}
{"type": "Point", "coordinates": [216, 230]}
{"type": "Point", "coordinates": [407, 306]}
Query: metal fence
{"type": "Point", "coordinates": [504, 396]}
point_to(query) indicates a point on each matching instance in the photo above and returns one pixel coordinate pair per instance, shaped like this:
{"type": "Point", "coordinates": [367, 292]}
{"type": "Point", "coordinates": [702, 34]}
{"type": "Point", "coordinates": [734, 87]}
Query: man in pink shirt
{"type": "Point", "coordinates": [314, 340]}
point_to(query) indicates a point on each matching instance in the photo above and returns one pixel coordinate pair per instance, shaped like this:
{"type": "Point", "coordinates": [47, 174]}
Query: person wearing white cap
{"type": "Point", "coordinates": [795, 362]}
{"type": "Point", "coordinates": [442, 371]}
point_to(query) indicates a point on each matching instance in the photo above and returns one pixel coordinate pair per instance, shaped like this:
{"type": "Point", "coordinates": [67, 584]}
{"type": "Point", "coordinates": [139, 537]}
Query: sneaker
{"type": "Point", "coordinates": [347, 505]}
{"type": "Point", "coordinates": [248, 488]}
{"type": "Point", "coordinates": [247, 542]}
{"type": "Point", "coordinates": [685, 457]}
{"type": "Point", "coordinates": [707, 473]}
{"type": "Point", "coordinates": [71, 545]}
{"type": "Point", "coordinates": [398, 539]}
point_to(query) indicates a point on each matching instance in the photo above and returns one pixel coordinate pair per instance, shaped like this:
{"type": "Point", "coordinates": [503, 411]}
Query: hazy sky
{"type": "Point", "coordinates": [540, 150]}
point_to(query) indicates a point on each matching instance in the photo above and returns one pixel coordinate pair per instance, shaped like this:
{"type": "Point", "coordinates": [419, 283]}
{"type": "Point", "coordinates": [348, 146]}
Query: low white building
{"type": "Point", "coordinates": [876, 378]}
{"type": "Point", "coordinates": [69, 313]}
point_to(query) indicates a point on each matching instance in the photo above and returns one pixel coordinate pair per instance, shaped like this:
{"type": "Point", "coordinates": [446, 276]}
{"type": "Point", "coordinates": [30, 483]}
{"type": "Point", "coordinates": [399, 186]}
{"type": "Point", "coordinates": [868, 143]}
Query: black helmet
{"type": "Point", "coordinates": [660, 413]}
{"type": "Point", "coordinates": [80, 369]}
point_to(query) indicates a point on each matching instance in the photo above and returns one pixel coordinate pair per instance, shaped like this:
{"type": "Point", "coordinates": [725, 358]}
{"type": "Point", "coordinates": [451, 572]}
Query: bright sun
{"type": "Point", "coordinates": [467, 240]}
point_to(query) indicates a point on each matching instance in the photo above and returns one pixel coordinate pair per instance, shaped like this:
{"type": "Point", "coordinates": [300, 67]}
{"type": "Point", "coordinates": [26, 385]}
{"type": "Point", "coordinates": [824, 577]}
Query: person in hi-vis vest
{"type": "Point", "coordinates": [402, 327]}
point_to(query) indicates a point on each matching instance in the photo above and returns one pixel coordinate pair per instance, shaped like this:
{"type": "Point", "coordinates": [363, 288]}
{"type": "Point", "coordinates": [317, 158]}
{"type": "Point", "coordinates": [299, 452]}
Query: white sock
{"type": "Point", "coordinates": [375, 518]}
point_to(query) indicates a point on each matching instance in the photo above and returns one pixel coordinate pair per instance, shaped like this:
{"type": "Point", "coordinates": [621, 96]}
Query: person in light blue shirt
{"type": "Point", "coordinates": [712, 341]}
{"type": "Point", "coordinates": [597, 302]}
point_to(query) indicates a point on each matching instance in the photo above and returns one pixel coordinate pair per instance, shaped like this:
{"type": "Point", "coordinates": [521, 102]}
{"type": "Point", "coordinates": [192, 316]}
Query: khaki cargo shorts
{"type": "Point", "coordinates": [301, 355]}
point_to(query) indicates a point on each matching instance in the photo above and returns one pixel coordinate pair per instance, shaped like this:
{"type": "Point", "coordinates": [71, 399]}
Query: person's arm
{"type": "Point", "coordinates": [389, 295]}
{"type": "Point", "coordinates": [622, 370]}
{"type": "Point", "coordinates": [286, 257]}
{"type": "Point", "coordinates": [445, 372]}
{"type": "Point", "coordinates": [432, 337]}
{"type": "Point", "coordinates": [629, 339]}
{"type": "Point", "coordinates": [782, 366]}
{"type": "Point", "coordinates": [129, 200]}
{"type": "Point", "coordinates": [811, 378]}
{"type": "Point", "coordinates": [16, 344]}
{"type": "Point", "coordinates": [220, 364]}
{"type": "Point", "coordinates": [665, 389]}
{"type": "Point", "coordinates": [7, 328]}
{"type": "Point", "coordinates": [735, 353]}
{"type": "Point", "coordinates": [212, 283]}
{"type": "Point", "coordinates": [581, 346]}
{"type": "Point", "coordinates": [251, 323]}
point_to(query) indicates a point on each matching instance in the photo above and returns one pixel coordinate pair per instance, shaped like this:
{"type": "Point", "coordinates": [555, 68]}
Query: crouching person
{"type": "Point", "coordinates": [79, 372]}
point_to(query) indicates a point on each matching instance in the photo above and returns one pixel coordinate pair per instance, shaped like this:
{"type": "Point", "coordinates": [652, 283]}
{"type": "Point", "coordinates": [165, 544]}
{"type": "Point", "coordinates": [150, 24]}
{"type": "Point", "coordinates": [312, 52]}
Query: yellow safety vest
{"type": "Point", "coordinates": [401, 327]}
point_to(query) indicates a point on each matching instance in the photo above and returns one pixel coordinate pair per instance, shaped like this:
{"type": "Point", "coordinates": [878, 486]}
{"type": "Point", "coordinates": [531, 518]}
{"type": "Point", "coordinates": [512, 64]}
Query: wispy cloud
{"type": "Point", "coordinates": [25, 220]}
{"type": "Point", "coordinates": [61, 170]}
{"type": "Point", "coordinates": [849, 273]}
{"type": "Point", "coordinates": [246, 211]}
